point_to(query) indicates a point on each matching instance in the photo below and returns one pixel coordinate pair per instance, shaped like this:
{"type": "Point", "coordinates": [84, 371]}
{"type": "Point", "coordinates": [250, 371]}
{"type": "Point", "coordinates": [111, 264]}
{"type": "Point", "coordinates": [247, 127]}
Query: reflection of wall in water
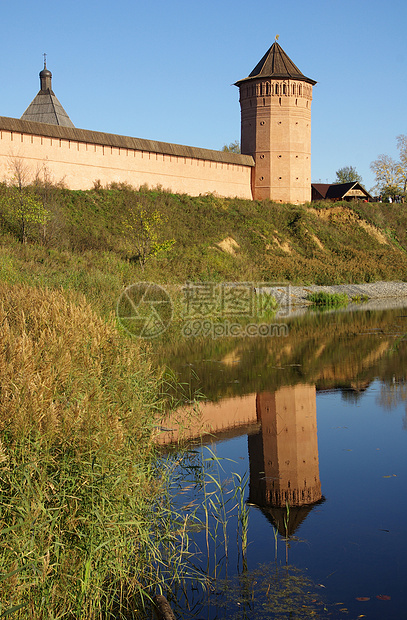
{"type": "Point", "coordinates": [236, 414]}
{"type": "Point", "coordinates": [284, 464]}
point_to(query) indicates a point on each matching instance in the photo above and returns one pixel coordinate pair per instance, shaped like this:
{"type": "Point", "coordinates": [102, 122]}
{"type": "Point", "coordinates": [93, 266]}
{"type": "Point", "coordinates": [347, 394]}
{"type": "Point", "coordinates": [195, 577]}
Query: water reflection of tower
{"type": "Point", "coordinates": [284, 466]}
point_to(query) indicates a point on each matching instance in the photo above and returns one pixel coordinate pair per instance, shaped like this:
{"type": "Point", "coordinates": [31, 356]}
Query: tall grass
{"type": "Point", "coordinates": [84, 532]}
{"type": "Point", "coordinates": [239, 495]}
{"type": "Point", "coordinates": [215, 501]}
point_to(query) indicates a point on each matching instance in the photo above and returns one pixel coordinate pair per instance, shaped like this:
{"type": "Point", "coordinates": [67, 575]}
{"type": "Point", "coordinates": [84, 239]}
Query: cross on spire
{"type": "Point", "coordinates": [45, 61]}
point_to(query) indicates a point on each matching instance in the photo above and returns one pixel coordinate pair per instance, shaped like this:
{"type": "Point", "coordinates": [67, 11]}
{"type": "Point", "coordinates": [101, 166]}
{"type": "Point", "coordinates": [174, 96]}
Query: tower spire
{"type": "Point", "coordinates": [45, 107]}
{"type": "Point", "coordinates": [45, 77]}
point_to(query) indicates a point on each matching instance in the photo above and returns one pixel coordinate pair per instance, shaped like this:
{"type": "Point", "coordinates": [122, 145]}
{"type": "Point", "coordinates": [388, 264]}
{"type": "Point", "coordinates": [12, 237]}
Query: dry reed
{"type": "Point", "coordinates": [77, 406]}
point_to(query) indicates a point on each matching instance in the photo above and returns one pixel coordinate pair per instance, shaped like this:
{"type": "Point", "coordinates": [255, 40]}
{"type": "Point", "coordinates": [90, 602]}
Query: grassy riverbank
{"type": "Point", "coordinates": [83, 532]}
{"type": "Point", "coordinates": [85, 245]}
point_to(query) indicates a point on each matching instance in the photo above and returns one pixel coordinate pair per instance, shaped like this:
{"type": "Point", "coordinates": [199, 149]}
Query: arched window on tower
{"type": "Point", "coordinates": [284, 89]}
{"type": "Point", "coordinates": [277, 89]}
{"type": "Point", "coordinates": [300, 90]}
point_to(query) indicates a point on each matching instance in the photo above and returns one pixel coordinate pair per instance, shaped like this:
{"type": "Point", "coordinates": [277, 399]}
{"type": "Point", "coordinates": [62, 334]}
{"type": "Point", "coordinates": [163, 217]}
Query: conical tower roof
{"type": "Point", "coordinates": [288, 523]}
{"type": "Point", "coordinates": [276, 64]}
{"type": "Point", "coordinates": [45, 107]}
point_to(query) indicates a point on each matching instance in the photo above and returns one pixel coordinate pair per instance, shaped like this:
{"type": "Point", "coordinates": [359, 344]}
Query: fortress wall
{"type": "Point", "coordinates": [212, 418]}
{"type": "Point", "coordinates": [108, 158]}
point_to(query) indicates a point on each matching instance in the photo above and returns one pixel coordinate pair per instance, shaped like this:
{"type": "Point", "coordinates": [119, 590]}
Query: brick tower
{"type": "Point", "coordinates": [284, 464]}
{"type": "Point", "coordinates": [275, 103]}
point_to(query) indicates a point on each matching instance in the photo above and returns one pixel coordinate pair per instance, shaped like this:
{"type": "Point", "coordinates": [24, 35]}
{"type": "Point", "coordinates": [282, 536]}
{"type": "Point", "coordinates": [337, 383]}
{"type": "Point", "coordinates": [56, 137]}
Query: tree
{"type": "Point", "coordinates": [233, 147]}
{"type": "Point", "coordinates": [20, 204]}
{"type": "Point", "coordinates": [348, 174]}
{"type": "Point", "coordinates": [145, 231]}
{"type": "Point", "coordinates": [391, 175]}
{"type": "Point", "coordinates": [385, 169]}
{"type": "Point", "coordinates": [402, 147]}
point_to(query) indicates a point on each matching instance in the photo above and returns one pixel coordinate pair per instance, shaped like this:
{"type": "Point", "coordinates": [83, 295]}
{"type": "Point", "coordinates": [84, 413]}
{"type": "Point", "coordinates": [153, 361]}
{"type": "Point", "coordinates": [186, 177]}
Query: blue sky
{"type": "Point", "coordinates": [165, 70]}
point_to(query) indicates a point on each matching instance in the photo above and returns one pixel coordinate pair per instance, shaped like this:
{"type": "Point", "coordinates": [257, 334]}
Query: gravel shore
{"type": "Point", "coordinates": [380, 296]}
{"type": "Point", "coordinates": [373, 290]}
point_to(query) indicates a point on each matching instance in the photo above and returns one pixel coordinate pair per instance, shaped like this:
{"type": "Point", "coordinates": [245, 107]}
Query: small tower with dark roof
{"type": "Point", "coordinates": [275, 101]}
{"type": "Point", "coordinates": [45, 107]}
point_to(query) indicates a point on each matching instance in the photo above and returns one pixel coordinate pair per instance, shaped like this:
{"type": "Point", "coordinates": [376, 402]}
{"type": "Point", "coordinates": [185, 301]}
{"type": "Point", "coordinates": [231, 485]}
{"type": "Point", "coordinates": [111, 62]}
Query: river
{"type": "Point", "coordinates": [297, 464]}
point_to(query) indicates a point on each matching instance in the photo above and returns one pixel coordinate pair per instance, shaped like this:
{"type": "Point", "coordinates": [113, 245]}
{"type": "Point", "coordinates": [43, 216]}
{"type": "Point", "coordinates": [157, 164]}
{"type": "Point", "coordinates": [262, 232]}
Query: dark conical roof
{"type": "Point", "coordinates": [45, 107]}
{"type": "Point", "coordinates": [287, 525]}
{"type": "Point", "coordinates": [276, 64]}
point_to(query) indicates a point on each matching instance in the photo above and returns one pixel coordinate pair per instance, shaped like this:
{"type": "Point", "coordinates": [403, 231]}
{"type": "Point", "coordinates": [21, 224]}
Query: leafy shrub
{"type": "Point", "coordinates": [329, 300]}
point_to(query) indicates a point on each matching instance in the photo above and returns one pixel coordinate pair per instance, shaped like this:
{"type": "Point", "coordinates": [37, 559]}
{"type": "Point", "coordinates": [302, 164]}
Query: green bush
{"type": "Point", "coordinates": [328, 300]}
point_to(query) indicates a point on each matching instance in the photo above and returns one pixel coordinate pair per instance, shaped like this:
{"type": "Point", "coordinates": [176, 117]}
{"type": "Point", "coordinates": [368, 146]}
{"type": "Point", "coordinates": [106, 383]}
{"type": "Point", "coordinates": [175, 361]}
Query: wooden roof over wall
{"type": "Point", "coordinates": [118, 141]}
{"type": "Point", "coordinates": [45, 108]}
